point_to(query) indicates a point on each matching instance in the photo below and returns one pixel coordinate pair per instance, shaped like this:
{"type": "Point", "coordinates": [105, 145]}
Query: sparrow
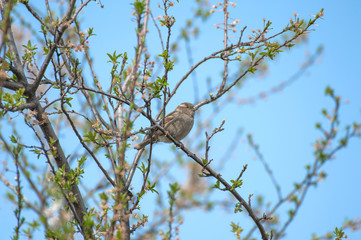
{"type": "Point", "coordinates": [177, 124]}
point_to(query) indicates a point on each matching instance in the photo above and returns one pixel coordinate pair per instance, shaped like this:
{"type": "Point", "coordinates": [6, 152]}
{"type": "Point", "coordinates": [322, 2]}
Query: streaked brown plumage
{"type": "Point", "coordinates": [177, 123]}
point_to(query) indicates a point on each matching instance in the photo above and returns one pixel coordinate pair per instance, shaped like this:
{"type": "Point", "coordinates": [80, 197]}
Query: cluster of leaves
{"type": "Point", "coordinates": [30, 51]}
{"type": "Point", "coordinates": [11, 101]}
{"type": "Point", "coordinates": [67, 179]}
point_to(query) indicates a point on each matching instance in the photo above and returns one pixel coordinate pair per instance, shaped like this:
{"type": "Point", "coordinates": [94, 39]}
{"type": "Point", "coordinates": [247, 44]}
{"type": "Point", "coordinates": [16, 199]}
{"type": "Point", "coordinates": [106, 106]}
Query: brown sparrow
{"type": "Point", "coordinates": [177, 123]}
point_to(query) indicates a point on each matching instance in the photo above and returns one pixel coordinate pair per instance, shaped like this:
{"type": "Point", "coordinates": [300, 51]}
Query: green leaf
{"type": "Point", "coordinates": [46, 51]}
{"type": "Point", "coordinates": [37, 151]}
{"type": "Point", "coordinates": [252, 70]}
{"type": "Point", "coordinates": [103, 196]}
{"type": "Point", "coordinates": [34, 224]}
{"type": "Point", "coordinates": [236, 184]}
{"type": "Point", "coordinates": [81, 161]}
{"type": "Point", "coordinates": [143, 168]}
{"type": "Point", "coordinates": [216, 185]}
{"type": "Point", "coordinates": [67, 100]}
{"type": "Point", "coordinates": [114, 58]}
{"type": "Point", "coordinates": [139, 7]}
{"type": "Point", "coordinates": [13, 139]}
{"type": "Point", "coordinates": [90, 32]}
{"type": "Point", "coordinates": [268, 24]}
{"type": "Point", "coordinates": [238, 208]}
{"type": "Point", "coordinates": [343, 142]}
{"type": "Point", "coordinates": [236, 229]}
{"type": "Point", "coordinates": [339, 233]}
{"type": "Point", "coordinates": [151, 187]}
{"type": "Point", "coordinates": [329, 91]}
{"type": "Point", "coordinates": [52, 141]}
{"type": "Point", "coordinates": [175, 187]}
{"type": "Point", "coordinates": [89, 137]}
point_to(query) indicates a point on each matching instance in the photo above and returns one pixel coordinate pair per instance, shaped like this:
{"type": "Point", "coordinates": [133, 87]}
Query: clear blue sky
{"type": "Point", "coordinates": [283, 125]}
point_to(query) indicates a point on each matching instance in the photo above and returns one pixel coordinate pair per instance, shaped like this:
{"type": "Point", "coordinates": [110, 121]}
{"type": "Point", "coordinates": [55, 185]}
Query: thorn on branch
{"type": "Point", "coordinates": [243, 170]}
{"type": "Point", "coordinates": [264, 217]}
{"type": "Point", "coordinates": [216, 130]}
{"type": "Point", "coordinates": [249, 199]}
{"type": "Point", "coordinates": [204, 169]}
{"type": "Point", "coordinates": [240, 37]}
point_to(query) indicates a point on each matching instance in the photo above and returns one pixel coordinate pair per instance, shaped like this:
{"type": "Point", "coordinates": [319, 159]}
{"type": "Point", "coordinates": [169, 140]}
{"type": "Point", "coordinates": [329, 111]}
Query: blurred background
{"type": "Point", "coordinates": [282, 123]}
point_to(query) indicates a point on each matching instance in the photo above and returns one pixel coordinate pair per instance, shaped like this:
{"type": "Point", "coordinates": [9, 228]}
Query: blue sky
{"type": "Point", "coordinates": [283, 125]}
